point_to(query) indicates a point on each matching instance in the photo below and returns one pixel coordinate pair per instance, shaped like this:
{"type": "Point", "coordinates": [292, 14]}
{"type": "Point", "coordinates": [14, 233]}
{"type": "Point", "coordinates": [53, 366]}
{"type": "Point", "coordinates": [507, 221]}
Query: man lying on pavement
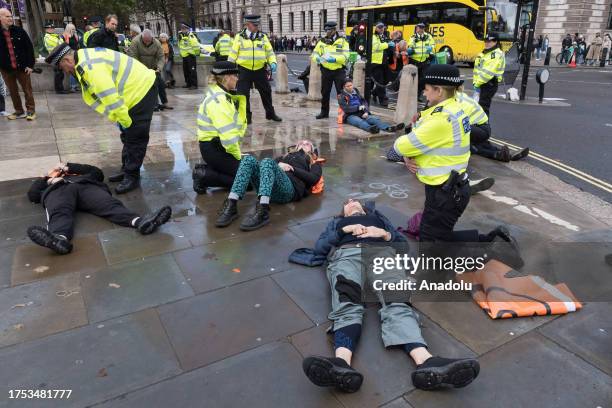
{"type": "Point", "coordinates": [70, 187]}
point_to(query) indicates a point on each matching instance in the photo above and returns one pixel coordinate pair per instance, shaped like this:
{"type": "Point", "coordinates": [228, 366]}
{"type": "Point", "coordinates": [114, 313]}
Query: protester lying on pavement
{"type": "Point", "coordinates": [361, 225]}
{"type": "Point", "coordinates": [356, 113]}
{"type": "Point", "coordinates": [288, 178]}
{"type": "Point", "coordinates": [70, 187]}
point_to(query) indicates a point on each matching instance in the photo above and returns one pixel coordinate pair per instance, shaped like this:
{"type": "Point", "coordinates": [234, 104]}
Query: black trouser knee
{"type": "Point", "coordinates": [487, 92]}
{"type": "Point", "coordinates": [161, 88]}
{"type": "Point", "coordinates": [136, 138]}
{"type": "Point", "coordinates": [258, 78]}
{"type": "Point", "coordinates": [60, 205]}
{"type": "Point", "coordinates": [58, 79]}
{"type": "Point", "coordinates": [97, 200]}
{"type": "Point", "coordinates": [221, 166]}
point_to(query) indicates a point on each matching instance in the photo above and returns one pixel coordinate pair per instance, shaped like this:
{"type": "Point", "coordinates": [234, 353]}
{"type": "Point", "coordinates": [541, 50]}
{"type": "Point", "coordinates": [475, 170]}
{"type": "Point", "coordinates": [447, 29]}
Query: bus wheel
{"type": "Point", "coordinates": [449, 52]}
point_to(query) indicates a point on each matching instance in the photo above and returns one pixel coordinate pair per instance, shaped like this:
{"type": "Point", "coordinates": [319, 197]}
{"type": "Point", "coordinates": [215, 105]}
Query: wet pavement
{"type": "Point", "coordinates": [197, 316]}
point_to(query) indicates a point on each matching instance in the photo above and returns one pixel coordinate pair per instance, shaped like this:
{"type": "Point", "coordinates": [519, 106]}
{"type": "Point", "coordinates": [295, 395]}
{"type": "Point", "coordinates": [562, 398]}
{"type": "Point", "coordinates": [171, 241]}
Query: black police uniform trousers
{"type": "Point", "coordinates": [136, 138]}
{"type": "Point", "coordinates": [221, 166]}
{"type": "Point", "coordinates": [58, 79]}
{"type": "Point", "coordinates": [479, 141]}
{"type": "Point", "coordinates": [421, 68]}
{"type": "Point", "coordinates": [330, 77]}
{"type": "Point", "coordinates": [379, 73]}
{"type": "Point", "coordinates": [62, 202]}
{"type": "Point", "coordinates": [487, 92]}
{"type": "Point", "coordinates": [190, 70]}
{"type": "Point", "coordinates": [220, 57]}
{"type": "Point", "coordinates": [246, 78]}
{"type": "Point", "coordinates": [161, 88]}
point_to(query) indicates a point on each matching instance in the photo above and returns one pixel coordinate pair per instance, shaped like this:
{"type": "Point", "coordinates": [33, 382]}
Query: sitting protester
{"type": "Point", "coordinates": [71, 187]}
{"type": "Point", "coordinates": [356, 113]}
{"type": "Point", "coordinates": [341, 245]}
{"type": "Point", "coordinates": [288, 178]}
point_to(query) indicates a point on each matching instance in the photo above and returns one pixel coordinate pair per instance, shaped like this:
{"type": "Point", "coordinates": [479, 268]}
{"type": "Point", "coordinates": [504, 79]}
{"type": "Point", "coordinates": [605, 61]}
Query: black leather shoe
{"type": "Point", "coordinates": [149, 223]}
{"type": "Point", "coordinates": [503, 154]}
{"type": "Point", "coordinates": [127, 184]}
{"type": "Point", "coordinates": [482, 185]}
{"type": "Point", "coordinates": [193, 88]}
{"type": "Point", "coordinates": [373, 129]}
{"type": "Point", "coordinates": [520, 155]}
{"type": "Point", "coordinates": [199, 172]}
{"type": "Point", "coordinates": [455, 373]}
{"type": "Point", "coordinates": [227, 214]}
{"type": "Point", "coordinates": [322, 115]}
{"type": "Point", "coordinates": [46, 238]}
{"type": "Point", "coordinates": [275, 118]}
{"type": "Point", "coordinates": [258, 219]}
{"type": "Point", "coordinates": [115, 178]}
{"type": "Point", "coordinates": [332, 372]}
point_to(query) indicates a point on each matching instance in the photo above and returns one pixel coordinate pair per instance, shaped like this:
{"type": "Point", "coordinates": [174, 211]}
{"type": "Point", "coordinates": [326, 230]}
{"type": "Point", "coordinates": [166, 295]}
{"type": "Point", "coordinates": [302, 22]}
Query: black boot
{"type": "Point", "coordinates": [150, 222]}
{"type": "Point", "coordinates": [115, 178]}
{"type": "Point", "coordinates": [503, 154]}
{"type": "Point", "coordinates": [507, 251]}
{"type": "Point", "coordinates": [520, 155]}
{"type": "Point", "coordinates": [199, 172]}
{"type": "Point", "coordinates": [322, 115]}
{"type": "Point", "coordinates": [46, 238]}
{"type": "Point", "coordinates": [258, 219]}
{"type": "Point", "coordinates": [482, 185]}
{"type": "Point", "coordinates": [332, 372]}
{"type": "Point", "coordinates": [373, 129]}
{"type": "Point", "coordinates": [437, 372]}
{"type": "Point", "coordinates": [274, 117]}
{"type": "Point", "coordinates": [126, 185]}
{"type": "Point", "coordinates": [227, 214]}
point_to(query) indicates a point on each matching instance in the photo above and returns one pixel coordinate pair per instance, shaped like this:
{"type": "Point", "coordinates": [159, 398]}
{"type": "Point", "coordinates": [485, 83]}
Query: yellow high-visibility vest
{"type": "Point", "coordinates": [471, 108]}
{"type": "Point", "coordinates": [188, 45]}
{"type": "Point", "coordinates": [223, 45]}
{"type": "Point", "coordinates": [378, 49]}
{"type": "Point", "coordinates": [339, 50]}
{"type": "Point", "coordinates": [423, 46]}
{"type": "Point", "coordinates": [88, 34]}
{"type": "Point", "coordinates": [489, 64]}
{"type": "Point", "coordinates": [252, 54]}
{"type": "Point", "coordinates": [51, 41]}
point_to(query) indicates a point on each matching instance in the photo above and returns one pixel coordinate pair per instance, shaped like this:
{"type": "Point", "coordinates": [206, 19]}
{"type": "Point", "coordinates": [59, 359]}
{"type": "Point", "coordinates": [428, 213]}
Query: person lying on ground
{"type": "Point", "coordinates": [355, 111]}
{"type": "Point", "coordinates": [281, 180]}
{"type": "Point", "coordinates": [343, 238]}
{"type": "Point", "coordinates": [70, 187]}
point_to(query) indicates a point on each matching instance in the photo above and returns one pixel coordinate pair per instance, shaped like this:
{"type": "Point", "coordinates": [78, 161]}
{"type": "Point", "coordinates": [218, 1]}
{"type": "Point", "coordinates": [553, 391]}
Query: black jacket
{"type": "Point", "coordinates": [80, 173]}
{"type": "Point", "coordinates": [24, 50]}
{"type": "Point", "coordinates": [103, 38]}
{"type": "Point", "coordinates": [304, 175]}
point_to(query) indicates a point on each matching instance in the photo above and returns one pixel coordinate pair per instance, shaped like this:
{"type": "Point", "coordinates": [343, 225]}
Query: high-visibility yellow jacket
{"type": "Point", "coordinates": [252, 54]}
{"type": "Point", "coordinates": [126, 44]}
{"type": "Point", "coordinates": [223, 116]}
{"type": "Point", "coordinates": [88, 34]}
{"type": "Point", "coordinates": [338, 49]}
{"type": "Point", "coordinates": [51, 41]}
{"type": "Point", "coordinates": [378, 48]}
{"type": "Point", "coordinates": [422, 45]}
{"type": "Point", "coordinates": [188, 45]}
{"type": "Point", "coordinates": [439, 142]}
{"type": "Point", "coordinates": [489, 64]}
{"type": "Point", "coordinates": [112, 83]}
{"type": "Point", "coordinates": [223, 45]}
{"type": "Point", "coordinates": [471, 108]}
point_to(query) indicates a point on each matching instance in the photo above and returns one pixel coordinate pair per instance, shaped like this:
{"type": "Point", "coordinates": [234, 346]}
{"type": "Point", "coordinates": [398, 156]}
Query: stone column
{"type": "Point", "coordinates": [282, 74]}
{"type": "Point", "coordinates": [407, 96]}
{"type": "Point", "coordinates": [314, 82]}
{"type": "Point", "coordinates": [359, 76]}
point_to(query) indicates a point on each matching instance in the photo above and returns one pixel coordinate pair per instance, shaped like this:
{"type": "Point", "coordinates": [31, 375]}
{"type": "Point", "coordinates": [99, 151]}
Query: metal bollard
{"type": "Point", "coordinates": [314, 84]}
{"type": "Point", "coordinates": [282, 74]}
{"type": "Point", "coordinates": [359, 75]}
{"type": "Point", "coordinates": [407, 101]}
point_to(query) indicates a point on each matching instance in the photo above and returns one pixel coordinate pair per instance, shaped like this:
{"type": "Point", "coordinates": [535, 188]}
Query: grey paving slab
{"type": "Point", "coordinates": [313, 207]}
{"type": "Point", "coordinates": [18, 206]}
{"type": "Point", "coordinates": [14, 231]}
{"type": "Point", "coordinates": [96, 362]}
{"type": "Point", "coordinates": [126, 244]}
{"type": "Point", "coordinates": [215, 325]}
{"type": "Point", "coordinates": [6, 263]}
{"type": "Point", "coordinates": [236, 260]}
{"type": "Point", "coordinates": [310, 231]}
{"type": "Point", "coordinates": [133, 286]}
{"type": "Point", "coordinates": [587, 333]}
{"type": "Point", "coordinates": [32, 262]}
{"type": "Point", "coordinates": [143, 203]}
{"type": "Point", "coordinates": [529, 372]}
{"type": "Point", "coordinates": [41, 308]}
{"type": "Point", "coordinates": [397, 403]}
{"type": "Point", "coordinates": [268, 376]}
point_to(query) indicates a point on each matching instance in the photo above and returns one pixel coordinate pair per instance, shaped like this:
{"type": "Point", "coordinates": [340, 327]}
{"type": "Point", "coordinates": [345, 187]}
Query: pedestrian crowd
{"type": "Point", "coordinates": [576, 48]}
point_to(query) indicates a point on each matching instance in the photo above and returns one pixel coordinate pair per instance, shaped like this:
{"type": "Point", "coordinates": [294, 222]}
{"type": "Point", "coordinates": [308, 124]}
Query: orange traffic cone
{"type": "Point", "coordinates": [572, 63]}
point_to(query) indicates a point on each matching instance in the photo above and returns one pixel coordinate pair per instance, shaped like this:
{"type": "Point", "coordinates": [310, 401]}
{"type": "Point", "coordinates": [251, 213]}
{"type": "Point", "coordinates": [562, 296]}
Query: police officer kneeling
{"type": "Point", "coordinates": [120, 88]}
{"type": "Point", "coordinates": [331, 53]}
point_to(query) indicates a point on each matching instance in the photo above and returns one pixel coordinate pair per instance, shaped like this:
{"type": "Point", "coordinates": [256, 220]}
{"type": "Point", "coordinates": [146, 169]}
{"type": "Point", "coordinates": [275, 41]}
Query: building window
{"type": "Point", "coordinates": [227, 6]}
{"type": "Point", "coordinates": [324, 18]}
{"type": "Point", "coordinates": [610, 19]}
{"type": "Point", "coordinates": [341, 18]}
{"type": "Point", "coordinates": [291, 27]}
{"type": "Point", "coordinates": [303, 20]}
{"type": "Point", "coordinates": [310, 21]}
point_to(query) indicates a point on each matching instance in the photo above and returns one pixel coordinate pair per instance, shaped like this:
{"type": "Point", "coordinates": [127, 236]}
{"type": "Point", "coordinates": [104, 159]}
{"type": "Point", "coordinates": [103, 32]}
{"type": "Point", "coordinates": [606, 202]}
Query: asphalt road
{"type": "Point", "coordinates": [578, 136]}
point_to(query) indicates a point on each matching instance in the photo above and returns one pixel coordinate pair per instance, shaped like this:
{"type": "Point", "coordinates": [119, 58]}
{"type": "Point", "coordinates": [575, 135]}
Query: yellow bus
{"type": "Point", "coordinates": [458, 26]}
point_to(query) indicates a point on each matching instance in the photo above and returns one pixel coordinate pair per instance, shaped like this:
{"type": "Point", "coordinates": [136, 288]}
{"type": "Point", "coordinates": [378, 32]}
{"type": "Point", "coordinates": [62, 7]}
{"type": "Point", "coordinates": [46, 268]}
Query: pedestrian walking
{"type": "Point", "coordinates": [538, 47]}
{"type": "Point", "coordinates": [607, 47]}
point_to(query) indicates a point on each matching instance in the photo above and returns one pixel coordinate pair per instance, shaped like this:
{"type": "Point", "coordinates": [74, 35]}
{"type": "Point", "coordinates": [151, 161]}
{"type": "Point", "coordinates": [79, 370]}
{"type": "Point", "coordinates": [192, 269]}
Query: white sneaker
{"type": "Point", "coordinates": [4, 113]}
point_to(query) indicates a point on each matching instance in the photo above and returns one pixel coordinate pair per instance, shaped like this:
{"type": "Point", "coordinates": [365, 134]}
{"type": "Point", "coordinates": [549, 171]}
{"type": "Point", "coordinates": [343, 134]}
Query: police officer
{"type": "Point", "coordinates": [51, 41]}
{"type": "Point", "coordinates": [489, 68]}
{"type": "Point", "coordinates": [331, 53]}
{"type": "Point", "coordinates": [95, 23]}
{"type": "Point", "coordinates": [120, 88]}
{"type": "Point", "coordinates": [189, 48]}
{"type": "Point", "coordinates": [251, 51]}
{"type": "Point", "coordinates": [379, 69]}
{"type": "Point", "coordinates": [223, 46]}
{"type": "Point", "coordinates": [420, 49]}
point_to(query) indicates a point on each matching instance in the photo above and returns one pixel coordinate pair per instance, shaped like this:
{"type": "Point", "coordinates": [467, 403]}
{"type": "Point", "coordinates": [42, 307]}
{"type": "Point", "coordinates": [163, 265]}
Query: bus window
{"type": "Point", "coordinates": [400, 16]}
{"type": "Point", "coordinates": [477, 24]}
{"type": "Point", "coordinates": [356, 17]}
{"type": "Point", "coordinates": [425, 14]}
{"type": "Point", "coordinates": [380, 15]}
{"type": "Point", "coordinates": [455, 15]}
{"type": "Point", "coordinates": [501, 18]}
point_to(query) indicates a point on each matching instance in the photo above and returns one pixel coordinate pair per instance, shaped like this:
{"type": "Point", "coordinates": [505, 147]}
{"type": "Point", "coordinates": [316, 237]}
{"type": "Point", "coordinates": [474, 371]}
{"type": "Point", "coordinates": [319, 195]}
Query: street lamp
{"type": "Point", "coordinates": [320, 19]}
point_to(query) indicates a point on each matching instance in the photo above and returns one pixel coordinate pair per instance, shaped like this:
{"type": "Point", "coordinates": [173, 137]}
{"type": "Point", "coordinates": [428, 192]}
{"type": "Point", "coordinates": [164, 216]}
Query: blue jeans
{"type": "Point", "coordinates": [366, 123]}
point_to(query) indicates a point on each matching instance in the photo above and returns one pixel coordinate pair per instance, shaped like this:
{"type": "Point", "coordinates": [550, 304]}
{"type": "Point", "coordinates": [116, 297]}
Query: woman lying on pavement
{"type": "Point", "coordinates": [288, 178]}
{"type": "Point", "coordinates": [358, 226]}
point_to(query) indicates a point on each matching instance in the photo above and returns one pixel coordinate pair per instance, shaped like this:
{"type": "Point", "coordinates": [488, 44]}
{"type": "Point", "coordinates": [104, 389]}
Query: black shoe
{"type": "Point", "coordinates": [332, 372]}
{"type": "Point", "coordinates": [115, 178]}
{"type": "Point", "coordinates": [373, 129]}
{"type": "Point", "coordinates": [322, 115]}
{"type": "Point", "coordinates": [149, 223]}
{"type": "Point", "coordinates": [482, 185]}
{"type": "Point", "coordinates": [127, 184]}
{"type": "Point", "coordinates": [165, 106]}
{"type": "Point", "coordinates": [199, 172]}
{"type": "Point", "coordinates": [399, 126]}
{"type": "Point", "coordinates": [156, 109]}
{"type": "Point", "coordinates": [520, 155]}
{"type": "Point", "coordinates": [502, 232]}
{"type": "Point", "coordinates": [258, 219]}
{"type": "Point", "coordinates": [507, 251]}
{"type": "Point", "coordinates": [62, 92]}
{"type": "Point", "coordinates": [46, 238]}
{"type": "Point", "coordinates": [275, 118]}
{"type": "Point", "coordinates": [227, 214]}
{"type": "Point", "coordinates": [438, 372]}
{"type": "Point", "coordinates": [503, 154]}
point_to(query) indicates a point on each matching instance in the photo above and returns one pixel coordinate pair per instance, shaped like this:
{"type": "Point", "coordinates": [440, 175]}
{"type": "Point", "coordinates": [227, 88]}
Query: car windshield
{"type": "Point", "coordinates": [206, 37]}
{"type": "Point", "coordinates": [501, 18]}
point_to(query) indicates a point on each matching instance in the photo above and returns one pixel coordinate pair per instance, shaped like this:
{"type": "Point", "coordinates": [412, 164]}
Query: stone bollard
{"type": "Point", "coordinates": [282, 74]}
{"type": "Point", "coordinates": [406, 105]}
{"type": "Point", "coordinates": [359, 75]}
{"type": "Point", "coordinates": [314, 85]}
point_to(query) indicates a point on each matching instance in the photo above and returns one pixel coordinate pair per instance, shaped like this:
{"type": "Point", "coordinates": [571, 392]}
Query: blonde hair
{"type": "Point", "coordinates": [69, 29]}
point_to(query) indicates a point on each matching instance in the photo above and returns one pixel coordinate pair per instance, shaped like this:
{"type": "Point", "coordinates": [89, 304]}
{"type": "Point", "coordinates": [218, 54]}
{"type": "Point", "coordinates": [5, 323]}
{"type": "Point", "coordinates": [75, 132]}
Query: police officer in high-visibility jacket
{"type": "Point", "coordinates": [489, 68]}
{"type": "Point", "coordinates": [51, 41]}
{"type": "Point", "coordinates": [95, 24]}
{"type": "Point", "coordinates": [221, 127]}
{"type": "Point", "coordinates": [379, 67]}
{"type": "Point", "coordinates": [421, 49]}
{"type": "Point", "coordinates": [120, 88]}
{"type": "Point", "coordinates": [331, 53]}
{"type": "Point", "coordinates": [223, 46]}
{"type": "Point", "coordinates": [251, 51]}
{"type": "Point", "coordinates": [189, 48]}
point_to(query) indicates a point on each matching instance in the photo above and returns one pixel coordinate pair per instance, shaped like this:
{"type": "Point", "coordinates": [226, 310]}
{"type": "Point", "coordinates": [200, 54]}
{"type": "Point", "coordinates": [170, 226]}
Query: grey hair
{"type": "Point", "coordinates": [135, 28]}
{"type": "Point", "coordinates": [147, 33]}
{"type": "Point", "coordinates": [163, 35]}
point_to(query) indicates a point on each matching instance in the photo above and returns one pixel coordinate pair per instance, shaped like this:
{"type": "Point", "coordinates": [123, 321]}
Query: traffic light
{"type": "Point", "coordinates": [360, 44]}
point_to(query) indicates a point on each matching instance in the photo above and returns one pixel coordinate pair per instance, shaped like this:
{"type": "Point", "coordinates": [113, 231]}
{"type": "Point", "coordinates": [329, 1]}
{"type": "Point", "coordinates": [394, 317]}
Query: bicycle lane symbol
{"type": "Point", "coordinates": [392, 190]}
